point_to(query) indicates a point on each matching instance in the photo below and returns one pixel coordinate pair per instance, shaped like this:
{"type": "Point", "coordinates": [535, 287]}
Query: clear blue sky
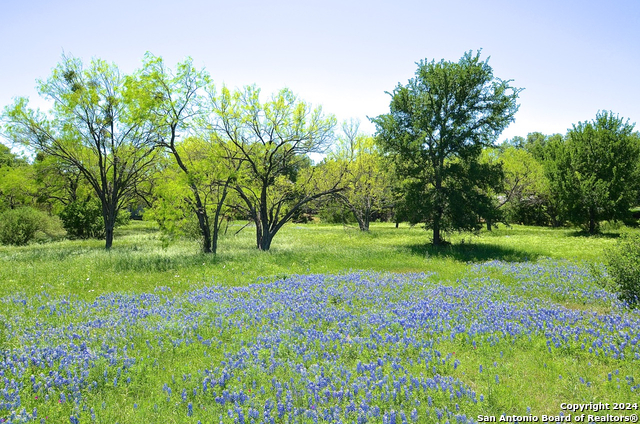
{"type": "Point", "coordinates": [573, 58]}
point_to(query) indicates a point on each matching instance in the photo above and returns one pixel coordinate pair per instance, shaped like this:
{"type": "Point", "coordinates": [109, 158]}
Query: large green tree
{"type": "Point", "coordinates": [595, 171]}
{"type": "Point", "coordinates": [269, 142]}
{"type": "Point", "coordinates": [436, 129]}
{"type": "Point", "coordinates": [93, 127]}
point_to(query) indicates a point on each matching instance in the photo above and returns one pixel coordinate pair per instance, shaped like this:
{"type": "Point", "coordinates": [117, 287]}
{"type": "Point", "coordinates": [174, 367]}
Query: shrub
{"type": "Point", "coordinates": [83, 219]}
{"type": "Point", "coordinates": [22, 225]}
{"type": "Point", "coordinates": [623, 266]}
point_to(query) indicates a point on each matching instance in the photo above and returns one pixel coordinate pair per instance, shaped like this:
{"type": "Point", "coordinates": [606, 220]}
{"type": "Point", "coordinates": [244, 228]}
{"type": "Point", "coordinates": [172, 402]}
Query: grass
{"type": "Point", "coordinates": [503, 322]}
{"type": "Point", "coordinates": [140, 260]}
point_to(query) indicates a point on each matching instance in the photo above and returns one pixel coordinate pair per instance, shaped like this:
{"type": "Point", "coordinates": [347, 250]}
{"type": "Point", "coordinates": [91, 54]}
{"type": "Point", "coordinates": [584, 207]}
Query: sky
{"type": "Point", "coordinates": [572, 58]}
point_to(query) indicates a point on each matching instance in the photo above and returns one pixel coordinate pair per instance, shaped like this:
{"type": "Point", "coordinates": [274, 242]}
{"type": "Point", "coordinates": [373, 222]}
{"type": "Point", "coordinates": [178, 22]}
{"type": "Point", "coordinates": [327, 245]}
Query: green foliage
{"type": "Point", "coordinates": [8, 158]}
{"type": "Point", "coordinates": [83, 219]}
{"type": "Point", "coordinates": [191, 192]}
{"type": "Point", "coordinates": [524, 198]}
{"type": "Point", "coordinates": [366, 179]}
{"type": "Point", "coordinates": [58, 183]}
{"type": "Point", "coordinates": [333, 211]}
{"type": "Point", "coordinates": [623, 266]}
{"type": "Point", "coordinates": [268, 143]}
{"type": "Point", "coordinates": [594, 173]}
{"type": "Point", "coordinates": [17, 186]}
{"type": "Point", "coordinates": [436, 129]}
{"type": "Point", "coordinates": [22, 225]}
{"type": "Point", "coordinates": [94, 127]}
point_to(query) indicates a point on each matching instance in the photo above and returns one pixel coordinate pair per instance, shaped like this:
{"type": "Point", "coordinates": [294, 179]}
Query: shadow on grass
{"type": "Point", "coordinates": [596, 235]}
{"type": "Point", "coordinates": [473, 252]}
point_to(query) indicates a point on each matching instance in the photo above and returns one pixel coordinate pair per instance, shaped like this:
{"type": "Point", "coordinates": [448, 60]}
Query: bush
{"type": "Point", "coordinates": [623, 266]}
{"type": "Point", "coordinates": [22, 225]}
{"type": "Point", "coordinates": [83, 219]}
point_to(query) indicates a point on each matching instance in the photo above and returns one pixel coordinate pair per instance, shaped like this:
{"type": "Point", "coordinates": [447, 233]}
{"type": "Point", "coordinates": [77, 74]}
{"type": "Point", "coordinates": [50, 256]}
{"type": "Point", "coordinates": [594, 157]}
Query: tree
{"type": "Point", "coordinates": [188, 201]}
{"type": "Point", "coordinates": [366, 181]}
{"type": "Point", "coordinates": [524, 194]}
{"type": "Point", "coordinates": [176, 100]}
{"type": "Point", "coordinates": [270, 142]}
{"type": "Point", "coordinates": [8, 158]}
{"type": "Point", "coordinates": [92, 128]}
{"type": "Point", "coordinates": [595, 171]}
{"type": "Point", "coordinates": [436, 129]}
{"type": "Point", "coordinates": [17, 185]}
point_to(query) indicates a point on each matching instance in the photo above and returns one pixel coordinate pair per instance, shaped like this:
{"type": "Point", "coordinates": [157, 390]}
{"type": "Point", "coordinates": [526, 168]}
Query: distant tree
{"type": "Point", "coordinates": [8, 158]}
{"type": "Point", "coordinates": [17, 185]}
{"type": "Point", "coordinates": [535, 143]}
{"type": "Point", "coordinates": [270, 142]}
{"type": "Point", "coordinates": [365, 178]}
{"type": "Point", "coordinates": [525, 190]}
{"type": "Point", "coordinates": [595, 171]}
{"type": "Point", "coordinates": [92, 128]}
{"type": "Point", "coordinates": [58, 183]}
{"type": "Point", "coordinates": [436, 129]}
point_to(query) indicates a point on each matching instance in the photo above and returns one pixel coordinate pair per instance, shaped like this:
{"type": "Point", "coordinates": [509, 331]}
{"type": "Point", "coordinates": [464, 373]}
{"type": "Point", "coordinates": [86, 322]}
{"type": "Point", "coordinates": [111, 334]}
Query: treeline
{"type": "Point", "coordinates": [193, 156]}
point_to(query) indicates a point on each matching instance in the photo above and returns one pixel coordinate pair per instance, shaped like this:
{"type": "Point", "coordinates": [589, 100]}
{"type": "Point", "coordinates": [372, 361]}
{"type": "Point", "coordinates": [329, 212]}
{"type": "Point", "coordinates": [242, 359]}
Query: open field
{"type": "Point", "coordinates": [330, 326]}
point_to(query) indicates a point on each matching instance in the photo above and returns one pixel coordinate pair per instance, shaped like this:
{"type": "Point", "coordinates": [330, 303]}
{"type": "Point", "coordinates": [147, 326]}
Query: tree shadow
{"type": "Point", "coordinates": [585, 234]}
{"type": "Point", "coordinates": [470, 252]}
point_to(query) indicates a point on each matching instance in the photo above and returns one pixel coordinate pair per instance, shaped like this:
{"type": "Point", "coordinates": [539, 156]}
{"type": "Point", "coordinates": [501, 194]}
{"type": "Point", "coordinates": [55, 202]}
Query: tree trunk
{"type": "Point", "coordinates": [109, 217]}
{"type": "Point", "coordinates": [438, 201]}
{"type": "Point", "coordinates": [436, 234]}
{"type": "Point", "coordinates": [488, 224]}
{"type": "Point", "coordinates": [367, 218]}
{"type": "Point", "coordinates": [205, 230]}
{"type": "Point", "coordinates": [108, 235]}
{"type": "Point", "coordinates": [592, 222]}
{"type": "Point", "coordinates": [216, 219]}
{"type": "Point", "coordinates": [363, 223]}
{"type": "Point", "coordinates": [214, 239]}
{"type": "Point", "coordinates": [265, 241]}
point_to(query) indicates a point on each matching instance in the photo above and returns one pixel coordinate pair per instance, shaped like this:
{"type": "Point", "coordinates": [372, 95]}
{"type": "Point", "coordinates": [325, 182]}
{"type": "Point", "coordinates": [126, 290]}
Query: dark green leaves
{"type": "Point", "coordinates": [436, 128]}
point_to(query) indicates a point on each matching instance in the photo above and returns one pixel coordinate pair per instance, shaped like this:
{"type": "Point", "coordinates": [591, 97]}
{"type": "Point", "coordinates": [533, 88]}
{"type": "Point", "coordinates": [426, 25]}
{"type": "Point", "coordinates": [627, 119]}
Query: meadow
{"type": "Point", "coordinates": [332, 325]}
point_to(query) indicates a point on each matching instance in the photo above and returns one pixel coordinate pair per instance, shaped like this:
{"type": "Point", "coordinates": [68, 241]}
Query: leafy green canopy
{"type": "Point", "coordinates": [269, 143]}
{"type": "Point", "coordinates": [435, 131]}
{"type": "Point", "coordinates": [93, 128]}
{"type": "Point", "coordinates": [594, 172]}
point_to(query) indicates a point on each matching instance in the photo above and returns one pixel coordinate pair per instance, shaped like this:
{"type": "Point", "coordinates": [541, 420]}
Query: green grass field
{"type": "Point", "coordinates": [331, 325]}
{"type": "Point", "coordinates": [141, 260]}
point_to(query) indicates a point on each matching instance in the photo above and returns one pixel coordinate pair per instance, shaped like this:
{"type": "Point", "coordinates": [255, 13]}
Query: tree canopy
{"type": "Point", "coordinates": [93, 127]}
{"type": "Point", "coordinates": [436, 129]}
{"type": "Point", "coordinates": [269, 141]}
{"type": "Point", "coordinates": [595, 170]}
